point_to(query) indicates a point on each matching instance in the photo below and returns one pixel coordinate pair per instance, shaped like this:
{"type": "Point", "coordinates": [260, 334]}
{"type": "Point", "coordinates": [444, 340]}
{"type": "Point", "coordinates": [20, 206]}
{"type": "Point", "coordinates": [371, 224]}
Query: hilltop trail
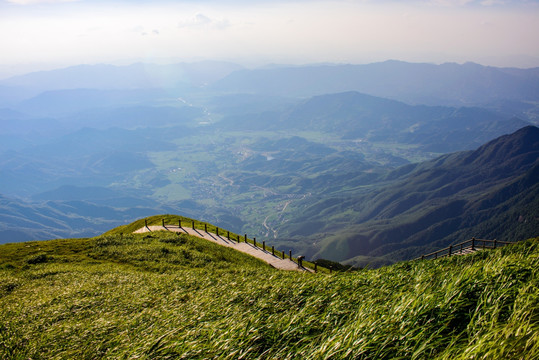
{"type": "Point", "coordinates": [266, 256]}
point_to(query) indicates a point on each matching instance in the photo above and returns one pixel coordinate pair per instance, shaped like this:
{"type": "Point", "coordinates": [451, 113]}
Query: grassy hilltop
{"type": "Point", "coordinates": [163, 295]}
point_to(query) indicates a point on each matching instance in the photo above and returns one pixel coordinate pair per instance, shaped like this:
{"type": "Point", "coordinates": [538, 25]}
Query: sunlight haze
{"type": "Point", "coordinates": [46, 34]}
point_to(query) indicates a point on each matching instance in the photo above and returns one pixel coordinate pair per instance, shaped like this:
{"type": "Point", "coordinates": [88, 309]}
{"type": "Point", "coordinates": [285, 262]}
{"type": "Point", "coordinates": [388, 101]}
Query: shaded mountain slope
{"type": "Point", "coordinates": [492, 192]}
{"type": "Point", "coordinates": [24, 221]}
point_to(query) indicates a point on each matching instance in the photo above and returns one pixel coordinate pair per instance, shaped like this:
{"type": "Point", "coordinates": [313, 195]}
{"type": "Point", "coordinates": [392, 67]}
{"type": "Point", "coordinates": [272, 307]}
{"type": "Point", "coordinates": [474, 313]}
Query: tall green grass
{"type": "Point", "coordinates": [165, 296]}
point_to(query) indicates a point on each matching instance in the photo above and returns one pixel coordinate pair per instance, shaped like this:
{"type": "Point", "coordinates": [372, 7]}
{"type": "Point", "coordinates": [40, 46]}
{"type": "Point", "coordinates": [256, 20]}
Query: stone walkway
{"type": "Point", "coordinates": [264, 255]}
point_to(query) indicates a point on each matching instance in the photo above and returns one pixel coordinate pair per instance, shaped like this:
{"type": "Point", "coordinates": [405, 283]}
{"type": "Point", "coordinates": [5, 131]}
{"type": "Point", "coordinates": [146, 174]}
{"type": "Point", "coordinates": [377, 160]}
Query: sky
{"type": "Point", "coordinates": [40, 34]}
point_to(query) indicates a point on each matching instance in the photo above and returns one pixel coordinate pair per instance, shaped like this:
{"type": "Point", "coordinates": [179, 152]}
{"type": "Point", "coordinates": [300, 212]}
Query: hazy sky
{"type": "Point", "coordinates": [52, 33]}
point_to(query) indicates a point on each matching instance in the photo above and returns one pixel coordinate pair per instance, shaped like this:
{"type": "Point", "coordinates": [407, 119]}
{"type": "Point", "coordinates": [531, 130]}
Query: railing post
{"type": "Point", "coordinates": [238, 239]}
{"type": "Point", "coordinates": [163, 222]}
{"type": "Point", "coordinates": [450, 248]}
{"type": "Point", "coordinates": [146, 222]}
{"type": "Point", "coordinates": [290, 254]}
{"type": "Point", "coordinates": [193, 224]}
{"type": "Point", "coordinates": [494, 243]}
{"type": "Point", "coordinates": [180, 223]}
{"type": "Point", "coordinates": [473, 244]}
{"type": "Point", "coordinates": [273, 250]}
{"type": "Point", "coordinates": [228, 235]}
{"type": "Point", "coordinates": [205, 227]}
{"type": "Point", "coordinates": [422, 257]}
{"type": "Point", "coordinates": [283, 254]}
{"type": "Point", "coordinates": [264, 245]}
{"type": "Point", "coordinates": [436, 255]}
{"type": "Point", "coordinates": [217, 231]}
{"type": "Point", "coordinates": [300, 261]}
{"type": "Point", "coordinates": [315, 267]}
{"type": "Point", "coordinates": [246, 238]}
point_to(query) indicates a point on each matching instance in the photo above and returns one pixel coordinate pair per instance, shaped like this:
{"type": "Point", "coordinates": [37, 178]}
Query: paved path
{"type": "Point", "coordinates": [465, 251]}
{"type": "Point", "coordinates": [273, 260]}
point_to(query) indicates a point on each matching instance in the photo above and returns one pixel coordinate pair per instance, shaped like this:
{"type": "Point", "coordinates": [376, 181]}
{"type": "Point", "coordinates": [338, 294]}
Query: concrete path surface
{"type": "Point", "coordinates": [264, 255]}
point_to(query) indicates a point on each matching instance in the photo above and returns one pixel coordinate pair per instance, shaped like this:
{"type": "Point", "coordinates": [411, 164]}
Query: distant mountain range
{"type": "Point", "coordinates": [310, 156]}
{"type": "Point", "coordinates": [416, 83]}
{"type": "Point", "coordinates": [450, 84]}
{"type": "Point", "coordinates": [73, 211]}
{"type": "Point", "coordinates": [23, 221]}
{"type": "Point", "coordinates": [135, 82]}
{"type": "Point", "coordinates": [355, 116]}
{"type": "Point", "coordinates": [135, 76]}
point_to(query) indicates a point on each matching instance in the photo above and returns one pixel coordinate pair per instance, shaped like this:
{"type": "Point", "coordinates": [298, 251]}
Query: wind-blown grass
{"type": "Point", "coordinates": [161, 296]}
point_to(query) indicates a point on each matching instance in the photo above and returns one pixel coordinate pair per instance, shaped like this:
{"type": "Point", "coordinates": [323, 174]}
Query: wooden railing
{"type": "Point", "coordinates": [300, 260]}
{"type": "Point", "coordinates": [465, 247]}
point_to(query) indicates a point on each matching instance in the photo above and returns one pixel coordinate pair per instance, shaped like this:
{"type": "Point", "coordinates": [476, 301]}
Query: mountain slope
{"type": "Point", "coordinates": [25, 221]}
{"type": "Point", "coordinates": [163, 296]}
{"type": "Point", "coordinates": [492, 192]}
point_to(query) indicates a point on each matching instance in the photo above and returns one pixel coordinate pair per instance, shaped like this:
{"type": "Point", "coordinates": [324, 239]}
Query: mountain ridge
{"type": "Point", "coordinates": [431, 204]}
{"type": "Point", "coordinates": [448, 84]}
{"type": "Point", "coordinates": [353, 115]}
{"type": "Point", "coordinates": [133, 76]}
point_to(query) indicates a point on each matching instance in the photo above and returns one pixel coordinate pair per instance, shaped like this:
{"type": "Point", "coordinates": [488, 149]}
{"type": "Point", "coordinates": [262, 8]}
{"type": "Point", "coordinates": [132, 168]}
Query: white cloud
{"type": "Point", "coordinates": [139, 29]}
{"type": "Point", "coordinates": [201, 20]}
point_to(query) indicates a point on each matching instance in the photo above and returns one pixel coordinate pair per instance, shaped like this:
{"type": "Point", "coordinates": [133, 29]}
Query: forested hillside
{"type": "Point", "coordinates": [491, 193]}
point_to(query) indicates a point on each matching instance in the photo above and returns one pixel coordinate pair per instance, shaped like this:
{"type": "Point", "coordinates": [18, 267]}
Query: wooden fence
{"type": "Point", "coordinates": [230, 236]}
{"type": "Point", "coordinates": [465, 247]}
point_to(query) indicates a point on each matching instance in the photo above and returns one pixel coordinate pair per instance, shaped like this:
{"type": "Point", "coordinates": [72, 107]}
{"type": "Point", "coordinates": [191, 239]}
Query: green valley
{"type": "Point", "coordinates": [344, 176]}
